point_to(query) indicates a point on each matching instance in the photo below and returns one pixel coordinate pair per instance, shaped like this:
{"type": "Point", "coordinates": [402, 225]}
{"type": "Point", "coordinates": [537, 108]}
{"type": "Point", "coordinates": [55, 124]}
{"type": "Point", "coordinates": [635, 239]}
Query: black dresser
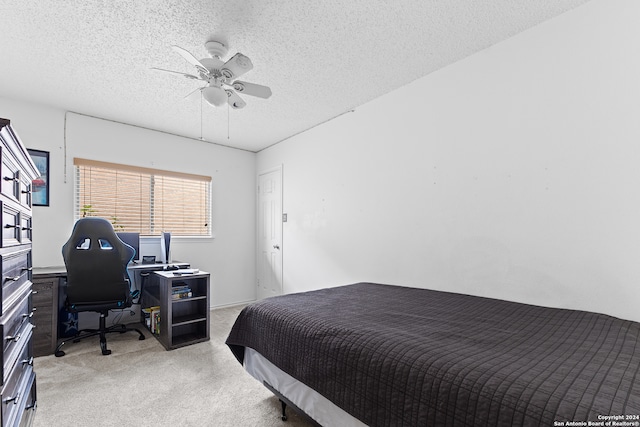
{"type": "Point", "coordinates": [17, 171]}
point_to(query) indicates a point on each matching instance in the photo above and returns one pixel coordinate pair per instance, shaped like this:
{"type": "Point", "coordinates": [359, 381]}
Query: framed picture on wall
{"type": "Point", "coordinates": [40, 185]}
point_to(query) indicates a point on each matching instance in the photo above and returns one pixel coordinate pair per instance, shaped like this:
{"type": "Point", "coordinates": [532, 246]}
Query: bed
{"type": "Point", "coordinates": [382, 355]}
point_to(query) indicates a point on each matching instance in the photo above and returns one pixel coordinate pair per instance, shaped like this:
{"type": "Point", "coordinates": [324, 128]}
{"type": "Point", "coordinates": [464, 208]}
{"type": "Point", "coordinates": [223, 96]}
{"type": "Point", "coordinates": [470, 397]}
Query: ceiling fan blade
{"type": "Point", "coordinates": [190, 59]}
{"type": "Point", "coordinates": [189, 76]}
{"type": "Point", "coordinates": [236, 66]}
{"type": "Point", "coordinates": [234, 100]}
{"type": "Point", "coordinates": [193, 91]}
{"type": "Point", "coordinates": [252, 89]}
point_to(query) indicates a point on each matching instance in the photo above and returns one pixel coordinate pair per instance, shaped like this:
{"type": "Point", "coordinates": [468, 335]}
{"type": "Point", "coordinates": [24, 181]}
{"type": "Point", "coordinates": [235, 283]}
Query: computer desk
{"type": "Point", "coordinates": [49, 295]}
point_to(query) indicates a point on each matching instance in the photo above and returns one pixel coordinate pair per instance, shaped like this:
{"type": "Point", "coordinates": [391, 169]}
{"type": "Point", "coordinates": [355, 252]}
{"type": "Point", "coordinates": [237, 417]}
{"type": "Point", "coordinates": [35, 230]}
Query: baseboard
{"type": "Point", "coordinates": [233, 304]}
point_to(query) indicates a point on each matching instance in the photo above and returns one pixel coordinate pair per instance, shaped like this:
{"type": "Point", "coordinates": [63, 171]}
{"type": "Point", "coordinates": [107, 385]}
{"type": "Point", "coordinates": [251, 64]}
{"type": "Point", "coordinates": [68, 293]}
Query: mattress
{"type": "Point", "coordinates": [392, 355]}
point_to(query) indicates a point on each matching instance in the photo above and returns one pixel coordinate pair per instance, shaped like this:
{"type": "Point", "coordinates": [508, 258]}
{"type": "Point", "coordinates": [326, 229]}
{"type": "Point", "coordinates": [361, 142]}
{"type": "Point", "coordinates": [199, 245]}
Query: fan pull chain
{"type": "Point", "coordinates": [228, 120]}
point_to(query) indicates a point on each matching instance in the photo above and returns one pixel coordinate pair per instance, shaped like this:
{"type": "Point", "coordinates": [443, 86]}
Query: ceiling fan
{"type": "Point", "coordinates": [218, 74]}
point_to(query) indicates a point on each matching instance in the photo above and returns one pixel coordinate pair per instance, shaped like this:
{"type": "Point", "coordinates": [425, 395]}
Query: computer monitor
{"type": "Point", "coordinates": [165, 247]}
{"type": "Point", "coordinates": [133, 240]}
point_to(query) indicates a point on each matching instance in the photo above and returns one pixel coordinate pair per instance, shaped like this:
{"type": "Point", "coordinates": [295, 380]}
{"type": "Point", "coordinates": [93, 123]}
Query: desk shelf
{"type": "Point", "coordinates": [190, 318]}
{"type": "Point", "coordinates": [183, 321]}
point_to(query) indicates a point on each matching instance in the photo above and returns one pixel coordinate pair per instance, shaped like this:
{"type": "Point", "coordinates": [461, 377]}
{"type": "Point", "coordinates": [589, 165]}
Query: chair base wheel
{"type": "Point", "coordinates": [102, 331]}
{"type": "Point", "coordinates": [103, 346]}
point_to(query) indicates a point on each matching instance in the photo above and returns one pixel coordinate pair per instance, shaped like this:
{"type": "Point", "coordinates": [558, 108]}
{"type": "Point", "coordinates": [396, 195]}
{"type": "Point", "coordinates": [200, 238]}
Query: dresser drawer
{"type": "Point", "coordinates": [21, 354]}
{"type": "Point", "coordinates": [15, 267]}
{"type": "Point", "coordinates": [23, 357]}
{"type": "Point", "coordinates": [15, 329]}
{"type": "Point", "coordinates": [11, 224]}
{"type": "Point", "coordinates": [17, 394]}
{"type": "Point", "coordinates": [30, 403]}
{"type": "Point", "coordinates": [25, 232]}
{"type": "Point", "coordinates": [25, 192]}
{"type": "Point", "coordinates": [10, 176]}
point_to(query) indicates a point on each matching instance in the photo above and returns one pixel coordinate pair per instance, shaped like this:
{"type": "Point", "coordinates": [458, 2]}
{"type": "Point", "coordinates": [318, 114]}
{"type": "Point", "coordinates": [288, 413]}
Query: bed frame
{"type": "Point", "coordinates": [306, 402]}
{"type": "Point", "coordinates": [284, 402]}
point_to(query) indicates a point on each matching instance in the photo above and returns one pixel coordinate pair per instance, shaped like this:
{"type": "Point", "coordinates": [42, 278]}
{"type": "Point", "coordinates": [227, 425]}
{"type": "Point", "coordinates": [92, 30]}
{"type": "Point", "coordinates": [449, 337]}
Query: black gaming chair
{"type": "Point", "coordinates": [97, 278]}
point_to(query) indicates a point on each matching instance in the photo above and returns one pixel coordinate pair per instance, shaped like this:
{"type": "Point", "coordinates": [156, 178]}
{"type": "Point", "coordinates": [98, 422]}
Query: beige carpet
{"type": "Point", "coordinates": [142, 384]}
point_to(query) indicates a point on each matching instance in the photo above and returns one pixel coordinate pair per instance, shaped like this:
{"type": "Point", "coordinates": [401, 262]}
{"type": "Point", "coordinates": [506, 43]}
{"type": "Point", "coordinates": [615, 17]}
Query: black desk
{"type": "Point", "coordinates": [49, 296]}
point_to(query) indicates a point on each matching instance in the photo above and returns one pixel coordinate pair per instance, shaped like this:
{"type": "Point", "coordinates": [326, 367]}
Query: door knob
{"type": "Point", "coordinates": [276, 247]}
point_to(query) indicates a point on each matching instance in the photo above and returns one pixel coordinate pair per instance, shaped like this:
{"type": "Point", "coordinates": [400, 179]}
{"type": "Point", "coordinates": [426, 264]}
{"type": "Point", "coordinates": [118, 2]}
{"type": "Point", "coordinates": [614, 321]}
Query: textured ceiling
{"type": "Point", "coordinates": [320, 58]}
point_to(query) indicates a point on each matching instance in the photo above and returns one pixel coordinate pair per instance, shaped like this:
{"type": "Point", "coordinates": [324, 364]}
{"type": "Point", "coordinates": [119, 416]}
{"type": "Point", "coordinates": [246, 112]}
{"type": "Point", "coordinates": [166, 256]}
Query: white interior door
{"type": "Point", "coordinates": [270, 234]}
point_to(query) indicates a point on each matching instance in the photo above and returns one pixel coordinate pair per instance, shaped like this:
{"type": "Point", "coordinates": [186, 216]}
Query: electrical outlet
{"type": "Point", "coordinates": [284, 217]}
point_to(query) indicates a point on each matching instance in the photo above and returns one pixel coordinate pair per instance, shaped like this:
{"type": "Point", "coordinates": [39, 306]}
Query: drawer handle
{"type": "Point", "coordinates": [13, 338]}
{"type": "Point", "coordinates": [27, 268]}
{"type": "Point", "coordinates": [26, 228]}
{"type": "Point", "coordinates": [26, 191]}
{"type": "Point", "coordinates": [11, 226]}
{"type": "Point", "coordinates": [30, 315]}
{"type": "Point", "coordinates": [28, 361]}
{"type": "Point", "coordinates": [11, 178]}
{"type": "Point", "coordinates": [13, 399]}
{"type": "Point", "coordinates": [14, 279]}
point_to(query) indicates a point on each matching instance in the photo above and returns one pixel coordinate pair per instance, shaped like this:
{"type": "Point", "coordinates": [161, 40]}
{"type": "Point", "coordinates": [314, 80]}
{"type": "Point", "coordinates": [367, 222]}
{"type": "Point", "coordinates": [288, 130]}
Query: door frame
{"type": "Point", "coordinates": [279, 168]}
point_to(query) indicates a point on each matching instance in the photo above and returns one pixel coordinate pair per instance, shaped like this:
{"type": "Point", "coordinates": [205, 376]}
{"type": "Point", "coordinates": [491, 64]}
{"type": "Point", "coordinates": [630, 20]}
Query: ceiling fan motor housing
{"type": "Point", "coordinates": [216, 49]}
{"type": "Point", "coordinates": [213, 65]}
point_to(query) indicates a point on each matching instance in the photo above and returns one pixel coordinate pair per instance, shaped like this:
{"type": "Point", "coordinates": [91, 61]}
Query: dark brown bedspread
{"type": "Point", "coordinates": [392, 355]}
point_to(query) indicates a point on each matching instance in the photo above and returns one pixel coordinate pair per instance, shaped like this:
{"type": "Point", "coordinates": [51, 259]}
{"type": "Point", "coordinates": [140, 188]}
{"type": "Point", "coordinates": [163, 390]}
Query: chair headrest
{"type": "Point", "coordinates": [96, 234]}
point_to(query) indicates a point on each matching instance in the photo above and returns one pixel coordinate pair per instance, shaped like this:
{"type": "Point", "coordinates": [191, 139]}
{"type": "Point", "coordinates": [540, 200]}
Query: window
{"type": "Point", "coordinates": [143, 200]}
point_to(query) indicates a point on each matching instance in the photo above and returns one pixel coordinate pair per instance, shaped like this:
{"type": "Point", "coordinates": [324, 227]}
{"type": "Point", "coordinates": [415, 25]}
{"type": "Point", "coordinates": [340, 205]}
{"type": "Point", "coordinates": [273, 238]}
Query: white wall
{"type": "Point", "coordinates": [229, 256]}
{"type": "Point", "coordinates": [512, 174]}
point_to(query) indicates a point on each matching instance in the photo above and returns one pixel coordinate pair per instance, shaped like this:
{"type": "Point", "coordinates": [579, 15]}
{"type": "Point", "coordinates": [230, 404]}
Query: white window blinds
{"type": "Point", "coordinates": [143, 200]}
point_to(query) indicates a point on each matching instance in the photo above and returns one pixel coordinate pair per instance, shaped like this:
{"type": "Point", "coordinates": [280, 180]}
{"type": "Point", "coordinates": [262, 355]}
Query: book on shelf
{"type": "Point", "coordinates": [152, 318]}
{"type": "Point", "coordinates": [181, 295]}
{"type": "Point", "coordinates": [180, 291]}
{"type": "Point", "coordinates": [155, 321]}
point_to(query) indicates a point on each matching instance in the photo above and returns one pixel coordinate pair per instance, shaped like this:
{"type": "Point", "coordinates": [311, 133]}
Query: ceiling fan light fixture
{"type": "Point", "coordinates": [214, 95]}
